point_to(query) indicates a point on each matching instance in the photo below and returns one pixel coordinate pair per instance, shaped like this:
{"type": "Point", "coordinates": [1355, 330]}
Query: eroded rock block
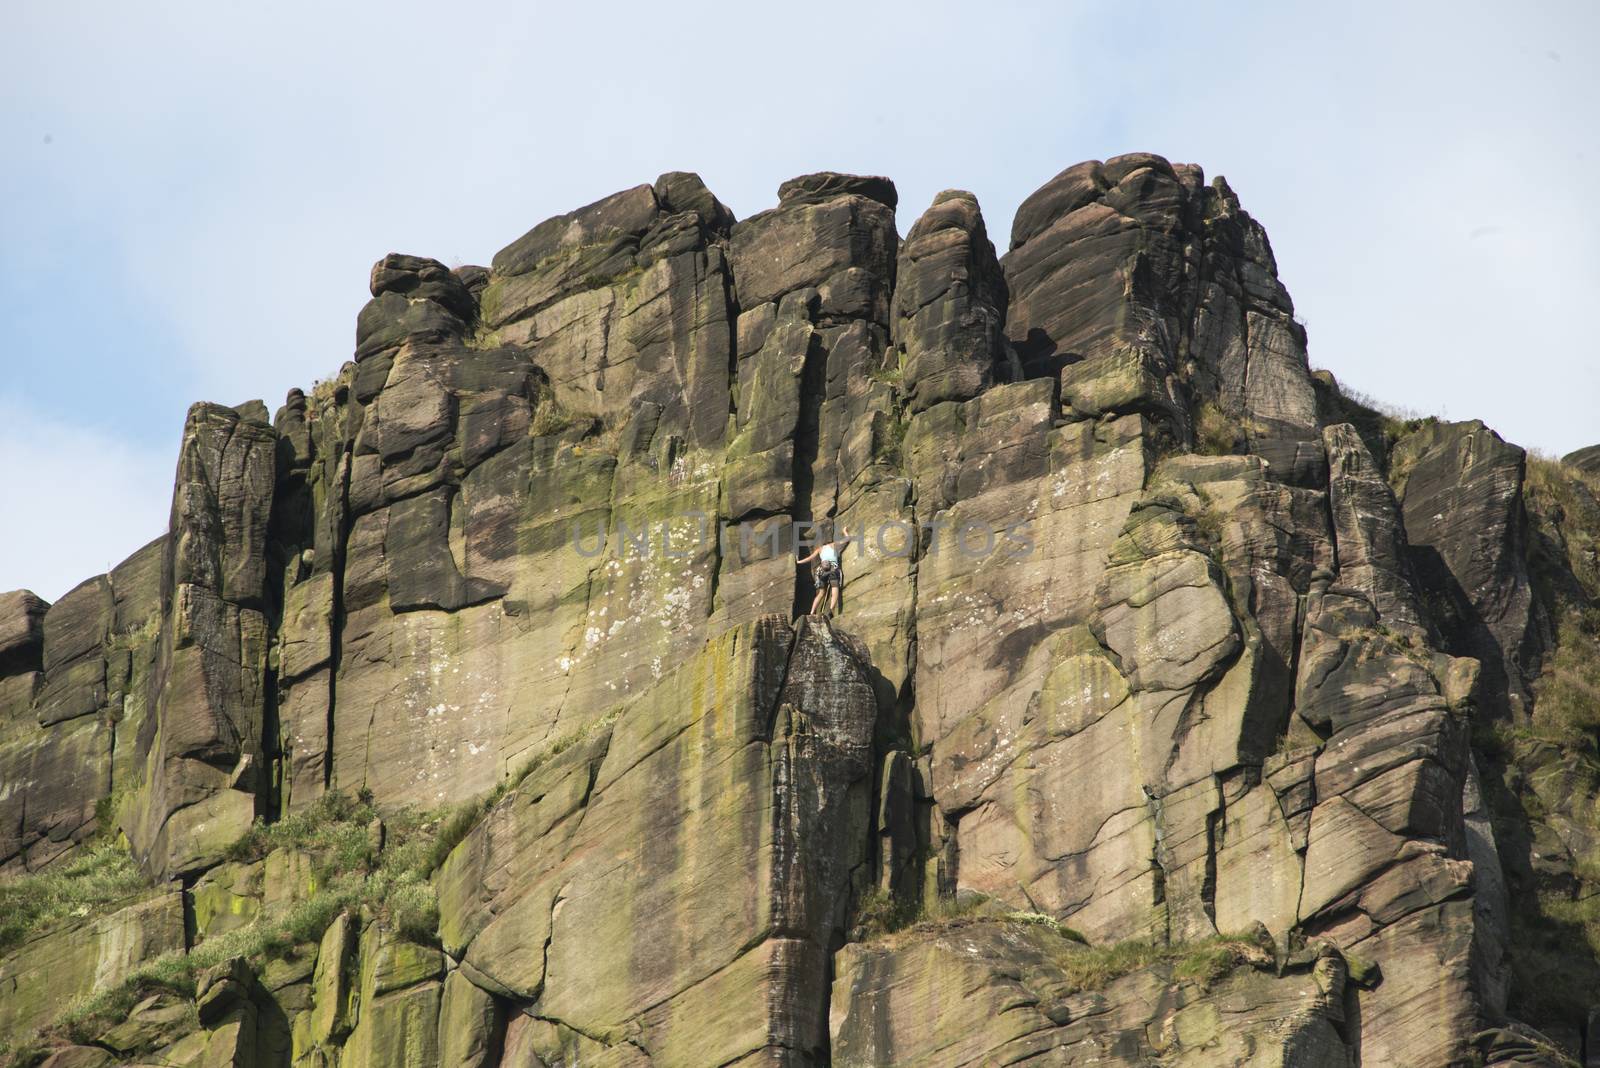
{"type": "Point", "coordinates": [989, 992]}
{"type": "Point", "coordinates": [68, 963]}
{"type": "Point", "coordinates": [206, 761]}
{"type": "Point", "coordinates": [703, 844]}
{"type": "Point", "coordinates": [1461, 498]}
{"type": "Point", "coordinates": [949, 305]}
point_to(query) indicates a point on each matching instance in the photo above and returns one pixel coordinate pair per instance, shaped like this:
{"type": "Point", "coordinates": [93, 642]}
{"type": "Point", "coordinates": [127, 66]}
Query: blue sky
{"type": "Point", "coordinates": [191, 199]}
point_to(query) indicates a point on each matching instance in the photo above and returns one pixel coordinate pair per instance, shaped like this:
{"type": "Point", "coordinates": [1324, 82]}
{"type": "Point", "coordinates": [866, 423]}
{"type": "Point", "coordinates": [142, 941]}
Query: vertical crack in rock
{"type": "Point", "coordinates": [1158, 862]}
{"type": "Point", "coordinates": [336, 626]}
{"type": "Point", "coordinates": [806, 444]}
{"type": "Point", "coordinates": [204, 768]}
{"type": "Point", "coordinates": [186, 886]}
{"type": "Point", "coordinates": [1216, 823]}
{"type": "Point", "coordinates": [1231, 686]}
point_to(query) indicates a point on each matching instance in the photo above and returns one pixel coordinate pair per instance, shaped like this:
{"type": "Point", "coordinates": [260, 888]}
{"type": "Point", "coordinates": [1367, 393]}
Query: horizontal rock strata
{"type": "Point", "coordinates": [1183, 710]}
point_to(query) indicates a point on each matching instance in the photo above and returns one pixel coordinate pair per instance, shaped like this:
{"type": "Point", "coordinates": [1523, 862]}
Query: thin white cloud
{"type": "Point", "coordinates": [234, 171]}
{"type": "Point", "coordinates": [75, 502]}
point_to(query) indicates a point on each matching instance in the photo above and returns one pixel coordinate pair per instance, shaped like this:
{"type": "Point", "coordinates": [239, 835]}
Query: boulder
{"type": "Point", "coordinates": [222, 990]}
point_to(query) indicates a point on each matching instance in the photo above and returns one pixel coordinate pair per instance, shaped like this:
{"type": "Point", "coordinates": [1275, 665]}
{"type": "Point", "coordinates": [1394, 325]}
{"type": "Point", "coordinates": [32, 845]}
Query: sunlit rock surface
{"type": "Point", "coordinates": [462, 716]}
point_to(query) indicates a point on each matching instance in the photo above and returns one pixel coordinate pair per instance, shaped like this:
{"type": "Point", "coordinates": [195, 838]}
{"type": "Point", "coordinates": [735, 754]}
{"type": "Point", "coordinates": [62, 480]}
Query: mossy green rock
{"type": "Point", "coordinates": [469, 1024]}
{"type": "Point", "coordinates": [58, 967]}
{"type": "Point", "coordinates": [331, 989]}
{"type": "Point", "coordinates": [522, 575]}
{"type": "Point", "coordinates": [153, 1022]}
{"type": "Point", "coordinates": [996, 992]}
{"type": "Point", "coordinates": [397, 1030]}
{"type": "Point", "coordinates": [389, 962]}
{"type": "Point", "coordinates": [687, 825]}
{"type": "Point", "coordinates": [226, 898]}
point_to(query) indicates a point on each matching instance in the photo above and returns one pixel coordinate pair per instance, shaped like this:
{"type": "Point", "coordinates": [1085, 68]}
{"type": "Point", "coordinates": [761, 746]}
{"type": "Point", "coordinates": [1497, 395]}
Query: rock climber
{"type": "Point", "coordinates": [828, 573]}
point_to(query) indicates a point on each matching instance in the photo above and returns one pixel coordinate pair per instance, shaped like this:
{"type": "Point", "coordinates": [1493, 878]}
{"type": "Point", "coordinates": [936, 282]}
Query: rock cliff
{"type": "Point", "coordinates": [1183, 708]}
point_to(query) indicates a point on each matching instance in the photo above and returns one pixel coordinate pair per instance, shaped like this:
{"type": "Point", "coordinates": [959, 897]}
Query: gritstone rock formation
{"type": "Point", "coordinates": [1184, 710]}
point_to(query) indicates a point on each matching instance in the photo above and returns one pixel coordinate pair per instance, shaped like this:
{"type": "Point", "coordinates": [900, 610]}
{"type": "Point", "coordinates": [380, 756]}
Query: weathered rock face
{"type": "Point", "coordinates": [675, 882]}
{"type": "Point", "coordinates": [205, 765]}
{"type": "Point", "coordinates": [533, 544]}
{"type": "Point", "coordinates": [44, 976]}
{"type": "Point", "coordinates": [1133, 278]}
{"type": "Point", "coordinates": [990, 993]}
{"type": "Point", "coordinates": [73, 690]}
{"type": "Point", "coordinates": [949, 305]}
{"type": "Point", "coordinates": [1461, 489]}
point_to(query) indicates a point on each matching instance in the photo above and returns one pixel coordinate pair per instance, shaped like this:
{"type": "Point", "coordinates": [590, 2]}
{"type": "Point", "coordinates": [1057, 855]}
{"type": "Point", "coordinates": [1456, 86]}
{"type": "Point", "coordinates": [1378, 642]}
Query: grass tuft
{"type": "Point", "coordinates": [1215, 432]}
{"type": "Point", "coordinates": [91, 884]}
{"type": "Point", "coordinates": [358, 868]}
{"type": "Point", "coordinates": [1049, 923]}
{"type": "Point", "coordinates": [880, 915]}
{"type": "Point", "coordinates": [379, 866]}
{"type": "Point", "coordinates": [1204, 962]}
{"type": "Point", "coordinates": [1084, 967]}
{"type": "Point", "coordinates": [1566, 697]}
{"type": "Point", "coordinates": [549, 418]}
{"type": "Point", "coordinates": [460, 821]}
{"type": "Point", "coordinates": [335, 829]}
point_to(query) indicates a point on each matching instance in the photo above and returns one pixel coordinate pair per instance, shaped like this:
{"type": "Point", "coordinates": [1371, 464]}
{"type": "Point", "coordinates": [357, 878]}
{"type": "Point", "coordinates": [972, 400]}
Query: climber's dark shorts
{"type": "Point", "coordinates": [829, 575]}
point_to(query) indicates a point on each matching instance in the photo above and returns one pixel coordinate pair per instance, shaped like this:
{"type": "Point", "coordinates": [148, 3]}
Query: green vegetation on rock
{"type": "Point", "coordinates": [1086, 967]}
{"type": "Point", "coordinates": [362, 863]}
{"type": "Point", "coordinates": [1227, 685]}
{"type": "Point", "coordinates": [1566, 704]}
{"type": "Point", "coordinates": [89, 885]}
{"type": "Point", "coordinates": [1216, 433]}
{"type": "Point", "coordinates": [1379, 424]}
{"type": "Point", "coordinates": [1202, 962]}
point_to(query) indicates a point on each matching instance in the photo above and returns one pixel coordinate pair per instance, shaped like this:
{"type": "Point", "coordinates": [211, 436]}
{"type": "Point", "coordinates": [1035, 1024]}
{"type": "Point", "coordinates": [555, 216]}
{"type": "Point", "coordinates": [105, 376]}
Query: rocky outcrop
{"type": "Point", "coordinates": [949, 305]}
{"type": "Point", "coordinates": [621, 303]}
{"type": "Point", "coordinates": [1133, 279]}
{"type": "Point", "coordinates": [204, 738]}
{"type": "Point", "coordinates": [688, 861]}
{"type": "Point", "coordinates": [1369, 537]}
{"type": "Point", "coordinates": [1460, 487]}
{"type": "Point", "coordinates": [457, 718]}
{"type": "Point", "coordinates": [74, 683]}
{"type": "Point", "coordinates": [996, 993]}
{"type": "Point", "coordinates": [46, 975]}
{"type": "Point", "coordinates": [1586, 460]}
